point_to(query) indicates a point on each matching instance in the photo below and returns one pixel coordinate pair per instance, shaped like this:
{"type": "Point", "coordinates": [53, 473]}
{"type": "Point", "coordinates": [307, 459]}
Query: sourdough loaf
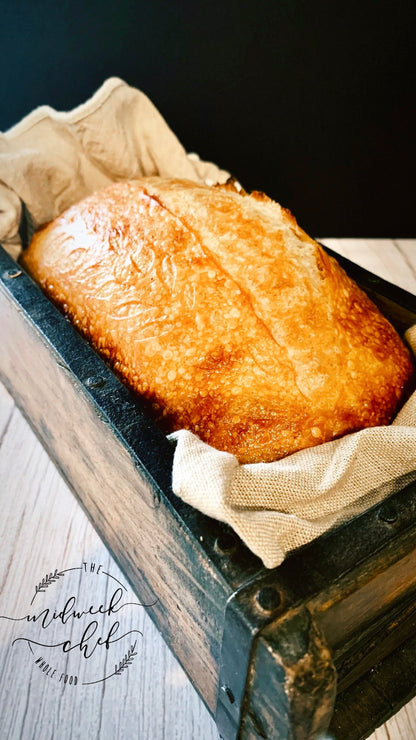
{"type": "Point", "coordinates": [220, 310]}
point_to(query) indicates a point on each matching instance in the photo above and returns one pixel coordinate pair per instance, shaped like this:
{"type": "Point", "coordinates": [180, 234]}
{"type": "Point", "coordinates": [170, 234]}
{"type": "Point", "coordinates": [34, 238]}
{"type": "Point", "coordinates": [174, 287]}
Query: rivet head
{"type": "Point", "coordinates": [229, 694]}
{"type": "Point", "coordinates": [388, 513]}
{"type": "Point", "coordinates": [226, 542]}
{"type": "Point", "coordinates": [95, 381]}
{"type": "Point", "coordinates": [14, 272]}
{"type": "Point", "coordinates": [268, 598]}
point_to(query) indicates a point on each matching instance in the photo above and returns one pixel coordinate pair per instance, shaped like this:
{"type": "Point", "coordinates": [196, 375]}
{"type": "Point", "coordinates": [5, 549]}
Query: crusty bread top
{"type": "Point", "coordinates": [217, 307]}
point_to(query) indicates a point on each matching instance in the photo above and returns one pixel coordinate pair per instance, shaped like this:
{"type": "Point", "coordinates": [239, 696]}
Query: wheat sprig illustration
{"type": "Point", "coordinates": [46, 581]}
{"type": "Point", "coordinates": [127, 660]}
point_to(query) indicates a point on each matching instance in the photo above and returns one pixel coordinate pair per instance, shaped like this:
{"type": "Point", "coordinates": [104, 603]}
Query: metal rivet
{"type": "Point", "coordinates": [226, 542]}
{"type": "Point", "coordinates": [95, 381]}
{"type": "Point", "coordinates": [229, 694]}
{"type": "Point", "coordinates": [12, 273]}
{"type": "Point", "coordinates": [388, 514]}
{"type": "Point", "coordinates": [268, 598]}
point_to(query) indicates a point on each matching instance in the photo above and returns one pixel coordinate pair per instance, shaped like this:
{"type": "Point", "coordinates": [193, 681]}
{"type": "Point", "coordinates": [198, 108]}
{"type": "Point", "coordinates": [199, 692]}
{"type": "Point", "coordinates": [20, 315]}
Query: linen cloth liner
{"type": "Point", "coordinates": [50, 160]}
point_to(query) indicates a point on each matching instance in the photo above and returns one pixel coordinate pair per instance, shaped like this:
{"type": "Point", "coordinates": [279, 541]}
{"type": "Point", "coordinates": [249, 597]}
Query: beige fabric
{"type": "Point", "coordinates": [50, 160]}
{"type": "Point", "coordinates": [277, 507]}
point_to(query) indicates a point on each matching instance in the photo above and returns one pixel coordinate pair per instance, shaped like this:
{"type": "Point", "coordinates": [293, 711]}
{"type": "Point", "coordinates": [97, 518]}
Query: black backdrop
{"type": "Point", "coordinates": [312, 102]}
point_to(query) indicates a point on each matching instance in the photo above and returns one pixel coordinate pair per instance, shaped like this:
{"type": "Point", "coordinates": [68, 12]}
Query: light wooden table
{"type": "Point", "coordinates": [43, 530]}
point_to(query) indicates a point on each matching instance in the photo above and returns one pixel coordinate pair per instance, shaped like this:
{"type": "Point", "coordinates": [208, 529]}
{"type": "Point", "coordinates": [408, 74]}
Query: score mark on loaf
{"type": "Point", "coordinates": [219, 309]}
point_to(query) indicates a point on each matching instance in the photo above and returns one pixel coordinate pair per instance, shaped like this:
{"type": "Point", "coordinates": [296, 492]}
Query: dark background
{"type": "Point", "coordinates": [312, 102]}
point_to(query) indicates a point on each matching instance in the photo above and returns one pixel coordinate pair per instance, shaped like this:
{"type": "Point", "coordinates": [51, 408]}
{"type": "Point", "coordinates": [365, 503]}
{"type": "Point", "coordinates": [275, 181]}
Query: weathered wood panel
{"type": "Point", "coordinates": [153, 547]}
{"type": "Point", "coordinates": [194, 575]}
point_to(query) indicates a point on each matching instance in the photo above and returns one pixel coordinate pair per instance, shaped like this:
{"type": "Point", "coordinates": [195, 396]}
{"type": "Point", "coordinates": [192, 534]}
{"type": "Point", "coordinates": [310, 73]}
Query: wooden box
{"type": "Point", "coordinates": [324, 643]}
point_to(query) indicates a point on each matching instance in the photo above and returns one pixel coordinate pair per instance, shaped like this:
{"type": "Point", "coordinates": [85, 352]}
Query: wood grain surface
{"type": "Point", "coordinates": [50, 553]}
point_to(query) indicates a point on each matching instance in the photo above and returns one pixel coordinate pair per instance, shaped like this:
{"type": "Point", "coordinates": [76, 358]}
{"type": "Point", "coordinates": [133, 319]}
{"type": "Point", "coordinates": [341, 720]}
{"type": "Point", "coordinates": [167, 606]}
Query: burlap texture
{"type": "Point", "coordinates": [49, 161]}
{"type": "Point", "coordinates": [277, 507]}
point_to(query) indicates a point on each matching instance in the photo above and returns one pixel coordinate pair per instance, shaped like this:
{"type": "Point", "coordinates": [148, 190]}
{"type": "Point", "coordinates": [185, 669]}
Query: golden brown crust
{"type": "Point", "coordinates": [217, 307]}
